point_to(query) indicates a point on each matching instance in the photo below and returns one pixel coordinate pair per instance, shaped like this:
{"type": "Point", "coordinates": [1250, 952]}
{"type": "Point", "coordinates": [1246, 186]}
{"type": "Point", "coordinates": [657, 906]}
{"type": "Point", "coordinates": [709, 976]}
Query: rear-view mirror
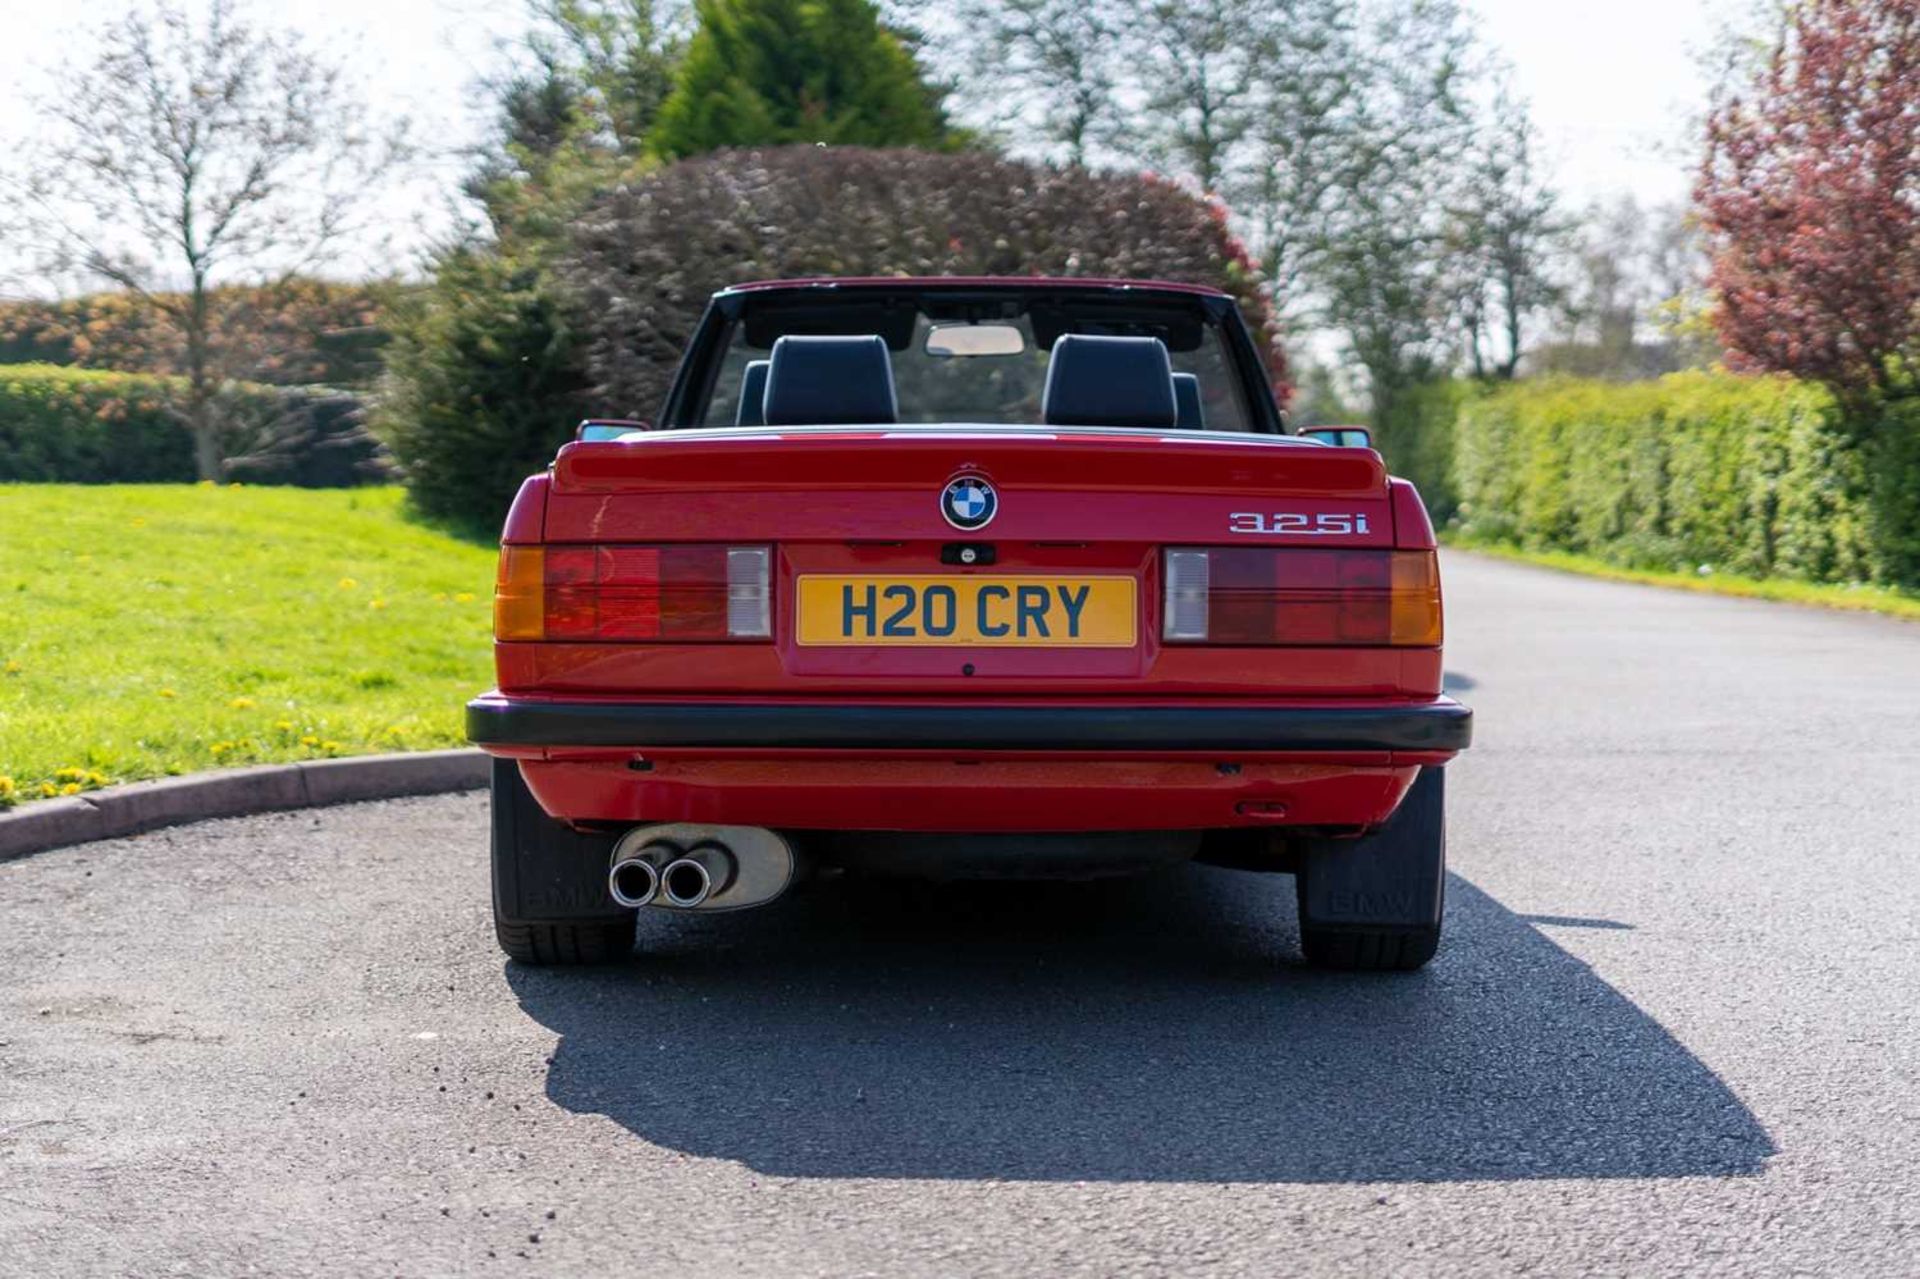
{"type": "Point", "coordinates": [975, 339]}
{"type": "Point", "coordinates": [1341, 437]}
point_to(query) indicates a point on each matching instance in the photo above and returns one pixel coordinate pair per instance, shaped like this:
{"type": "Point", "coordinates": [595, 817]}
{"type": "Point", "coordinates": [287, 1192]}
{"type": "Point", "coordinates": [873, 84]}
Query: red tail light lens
{"type": "Point", "coordinates": [1260, 596]}
{"type": "Point", "coordinates": [590, 594]}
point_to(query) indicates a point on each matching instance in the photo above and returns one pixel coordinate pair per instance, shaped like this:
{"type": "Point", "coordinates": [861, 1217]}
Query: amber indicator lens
{"type": "Point", "coordinates": [519, 594]}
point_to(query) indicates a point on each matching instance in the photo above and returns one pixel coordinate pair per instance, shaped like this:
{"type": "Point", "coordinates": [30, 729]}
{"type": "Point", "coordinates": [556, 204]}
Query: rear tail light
{"type": "Point", "coordinates": [625, 593]}
{"type": "Point", "coordinates": [1249, 596]}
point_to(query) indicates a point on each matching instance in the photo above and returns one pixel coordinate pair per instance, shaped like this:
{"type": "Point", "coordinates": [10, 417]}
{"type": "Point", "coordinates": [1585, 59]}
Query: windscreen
{"type": "Point", "coordinates": [985, 361]}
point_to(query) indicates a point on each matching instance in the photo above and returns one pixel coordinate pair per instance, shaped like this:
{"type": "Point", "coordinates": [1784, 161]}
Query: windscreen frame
{"type": "Point", "coordinates": [694, 384]}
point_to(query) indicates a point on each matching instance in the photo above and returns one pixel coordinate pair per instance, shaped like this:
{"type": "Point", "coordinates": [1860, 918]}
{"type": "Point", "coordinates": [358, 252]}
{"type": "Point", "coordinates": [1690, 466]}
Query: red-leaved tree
{"type": "Point", "coordinates": [1810, 197]}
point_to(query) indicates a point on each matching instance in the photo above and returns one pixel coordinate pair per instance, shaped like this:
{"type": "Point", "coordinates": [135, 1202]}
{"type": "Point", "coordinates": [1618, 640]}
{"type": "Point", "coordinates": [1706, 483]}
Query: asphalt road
{"type": "Point", "coordinates": [1675, 1027]}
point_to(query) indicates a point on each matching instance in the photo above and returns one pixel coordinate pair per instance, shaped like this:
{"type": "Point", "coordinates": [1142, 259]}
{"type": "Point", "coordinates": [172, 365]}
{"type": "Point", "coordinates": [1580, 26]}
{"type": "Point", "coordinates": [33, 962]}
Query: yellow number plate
{"type": "Point", "coordinates": [1057, 612]}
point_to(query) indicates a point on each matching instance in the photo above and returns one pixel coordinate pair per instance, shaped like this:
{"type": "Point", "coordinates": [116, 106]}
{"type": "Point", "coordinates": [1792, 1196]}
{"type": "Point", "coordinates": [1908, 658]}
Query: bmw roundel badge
{"type": "Point", "coordinates": [969, 503]}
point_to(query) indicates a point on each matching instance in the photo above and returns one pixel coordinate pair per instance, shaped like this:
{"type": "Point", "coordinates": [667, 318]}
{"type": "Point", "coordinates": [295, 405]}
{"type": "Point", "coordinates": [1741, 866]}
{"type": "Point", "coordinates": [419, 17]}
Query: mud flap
{"type": "Point", "coordinates": [1392, 879]}
{"type": "Point", "coordinates": [544, 871]}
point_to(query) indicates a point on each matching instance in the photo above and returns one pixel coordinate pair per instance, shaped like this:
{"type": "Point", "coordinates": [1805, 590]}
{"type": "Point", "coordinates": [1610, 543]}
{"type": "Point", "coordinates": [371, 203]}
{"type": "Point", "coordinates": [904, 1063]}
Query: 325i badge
{"type": "Point", "coordinates": [1329, 524]}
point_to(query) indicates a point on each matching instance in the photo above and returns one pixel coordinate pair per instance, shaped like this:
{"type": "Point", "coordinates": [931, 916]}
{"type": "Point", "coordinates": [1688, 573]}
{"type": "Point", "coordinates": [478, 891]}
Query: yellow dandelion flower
{"type": "Point", "coordinates": [7, 787]}
{"type": "Point", "coordinates": [309, 740]}
{"type": "Point", "coordinates": [376, 603]}
{"type": "Point", "coordinates": [329, 746]}
{"type": "Point", "coordinates": [167, 692]}
{"type": "Point", "coordinates": [14, 668]}
{"type": "Point", "coordinates": [464, 597]}
{"type": "Point", "coordinates": [48, 790]}
{"type": "Point", "coordinates": [283, 725]}
{"type": "Point", "coordinates": [71, 788]}
{"type": "Point", "coordinates": [241, 703]}
{"type": "Point", "coordinates": [347, 583]}
{"type": "Point", "coordinates": [96, 778]}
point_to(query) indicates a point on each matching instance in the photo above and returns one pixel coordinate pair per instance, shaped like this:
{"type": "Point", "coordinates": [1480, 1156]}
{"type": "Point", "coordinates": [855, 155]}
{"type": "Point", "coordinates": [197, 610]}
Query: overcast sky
{"type": "Point", "coordinates": [1614, 86]}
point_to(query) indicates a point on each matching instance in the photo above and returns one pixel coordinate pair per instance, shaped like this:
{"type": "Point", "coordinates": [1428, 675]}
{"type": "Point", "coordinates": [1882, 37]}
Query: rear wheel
{"type": "Point", "coordinates": [1374, 904]}
{"type": "Point", "coordinates": [550, 899]}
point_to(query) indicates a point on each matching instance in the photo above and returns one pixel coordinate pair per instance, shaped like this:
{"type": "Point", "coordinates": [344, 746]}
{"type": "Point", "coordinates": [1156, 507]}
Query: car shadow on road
{"type": "Point", "coordinates": [1159, 1029]}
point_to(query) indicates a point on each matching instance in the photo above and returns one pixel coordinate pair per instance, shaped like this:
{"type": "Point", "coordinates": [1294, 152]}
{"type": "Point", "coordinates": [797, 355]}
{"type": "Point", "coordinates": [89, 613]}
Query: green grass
{"type": "Point", "coordinates": [148, 630]}
{"type": "Point", "coordinates": [1857, 597]}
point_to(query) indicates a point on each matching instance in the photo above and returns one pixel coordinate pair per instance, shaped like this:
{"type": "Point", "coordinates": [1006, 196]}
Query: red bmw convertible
{"type": "Point", "coordinates": [965, 578]}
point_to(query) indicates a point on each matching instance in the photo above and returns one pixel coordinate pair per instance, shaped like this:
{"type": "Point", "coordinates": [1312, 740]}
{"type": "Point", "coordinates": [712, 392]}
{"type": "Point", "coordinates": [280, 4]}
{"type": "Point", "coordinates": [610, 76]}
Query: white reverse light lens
{"type": "Point", "coordinates": [749, 611]}
{"type": "Point", "coordinates": [1187, 583]}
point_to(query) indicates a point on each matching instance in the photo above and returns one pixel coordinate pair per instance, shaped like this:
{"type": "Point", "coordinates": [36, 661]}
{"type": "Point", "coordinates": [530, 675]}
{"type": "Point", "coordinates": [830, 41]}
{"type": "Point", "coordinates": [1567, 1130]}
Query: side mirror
{"type": "Point", "coordinates": [1341, 437]}
{"type": "Point", "coordinates": [607, 428]}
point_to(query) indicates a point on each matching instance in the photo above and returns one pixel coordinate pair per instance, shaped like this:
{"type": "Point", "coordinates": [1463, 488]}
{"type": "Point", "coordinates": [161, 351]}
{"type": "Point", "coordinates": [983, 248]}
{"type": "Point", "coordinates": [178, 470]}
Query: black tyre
{"type": "Point", "coordinates": [550, 900]}
{"type": "Point", "coordinates": [565, 943]}
{"type": "Point", "coordinates": [1375, 904]}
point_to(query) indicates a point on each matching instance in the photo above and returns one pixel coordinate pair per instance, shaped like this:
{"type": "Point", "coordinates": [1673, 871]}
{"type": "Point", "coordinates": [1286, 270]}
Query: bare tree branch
{"type": "Point", "coordinates": [189, 155]}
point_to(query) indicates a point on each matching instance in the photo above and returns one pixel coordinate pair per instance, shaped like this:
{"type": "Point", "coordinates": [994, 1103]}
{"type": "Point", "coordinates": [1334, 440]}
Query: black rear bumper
{"type": "Point", "coordinates": [1438, 725]}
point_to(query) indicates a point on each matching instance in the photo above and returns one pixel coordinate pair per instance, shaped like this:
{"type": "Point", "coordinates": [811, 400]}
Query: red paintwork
{"type": "Point", "coordinates": [527, 517]}
{"type": "Point", "coordinates": [1412, 527]}
{"type": "Point", "coordinates": [856, 487]}
{"type": "Point", "coordinates": [865, 500]}
{"type": "Point", "coordinates": [912, 791]}
{"type": "Point", "coordinates": [1174, 672]}
{"type": "Point", "coordinates": [1048, 282]}
{"type": "Point", "coordinates": [737, 460]}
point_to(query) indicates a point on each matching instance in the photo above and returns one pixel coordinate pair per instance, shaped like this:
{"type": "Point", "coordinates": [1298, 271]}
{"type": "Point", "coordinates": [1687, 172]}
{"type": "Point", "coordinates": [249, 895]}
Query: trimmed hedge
{"type": "Point", "coordinates": [84, 426]}
{"type": "Point", "coordinates": [1756, 476]}
{"type": "Point", "coordinates": [297, 332]}
{"type": "Point", "coordinates": [1416, 439]}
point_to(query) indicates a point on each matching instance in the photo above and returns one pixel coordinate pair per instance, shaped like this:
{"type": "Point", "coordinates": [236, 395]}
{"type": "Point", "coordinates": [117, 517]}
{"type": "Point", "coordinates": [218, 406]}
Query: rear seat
{"type": "Point", "coordinates": [1186, 396]}
{"type": "Point", "coordinates": [1094, 380]}
{"type": "Point", "coordinates": [753, 395]}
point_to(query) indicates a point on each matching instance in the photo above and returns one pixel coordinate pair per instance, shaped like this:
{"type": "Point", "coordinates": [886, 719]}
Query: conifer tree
{"type": "Point", "coordinates": [764, 72]}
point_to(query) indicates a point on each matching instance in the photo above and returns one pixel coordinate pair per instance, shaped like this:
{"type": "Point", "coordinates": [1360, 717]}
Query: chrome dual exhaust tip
{"type": "Point", "coordinates": [688, 883]}
{"type": "Point", "coordinates": [696, 866]}
{"type": "Point", "coordinates": [708, 868]}
{"type": "Point", "coordinates": [633, 882]}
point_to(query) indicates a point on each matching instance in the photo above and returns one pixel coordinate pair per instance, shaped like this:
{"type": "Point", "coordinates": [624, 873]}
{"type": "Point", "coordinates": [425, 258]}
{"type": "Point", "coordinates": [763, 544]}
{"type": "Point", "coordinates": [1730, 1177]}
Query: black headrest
{"type": "Point", "coordinates": [830, 381]}
{"type": "Point", "coordinates": [1109, 381]}
{"type": "Point", "coordinates": [753, 395]}
{"type": "Point", "coordinates": [1186, 398]}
